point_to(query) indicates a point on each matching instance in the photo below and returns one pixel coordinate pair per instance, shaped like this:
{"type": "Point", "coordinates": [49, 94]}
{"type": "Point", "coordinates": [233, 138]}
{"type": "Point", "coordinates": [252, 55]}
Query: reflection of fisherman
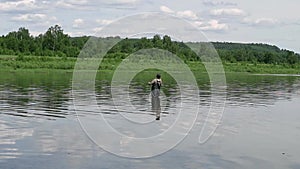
{"type": "Point", "coordinates": [155, 90]}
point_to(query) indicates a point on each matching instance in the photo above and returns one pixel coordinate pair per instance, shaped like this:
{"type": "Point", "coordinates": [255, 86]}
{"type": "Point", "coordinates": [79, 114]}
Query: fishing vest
{"type": "Point", "coordinates": [156, 84]}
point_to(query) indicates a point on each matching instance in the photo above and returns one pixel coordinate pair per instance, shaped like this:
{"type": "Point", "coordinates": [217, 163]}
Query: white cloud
{"type": "Point", "coordinates": [212, 25]}
{"type": "Point", "coordinates": [228, 11]}
{"type": "Point", "coordinates": [198, 23]}
{"type": "Point", "coordinates": [188, 14]}
{"type": "Point", "coordinates": [127, 1]}
{"type": "Point", "coordinates": [22, 5]}
{"type": "Point", "coordinates": [264, 22]}
{"type": "Point", "coordinates": [72, 4]}
{"type": "Point", "coordinates": [35, 22]}
{"type": "Point", "coordinates": [166, 9]}
{"type": "Point", "coordinates": [33, 18]}
{"type": "Point", "coordinates": [218, 3]}
{"type": "Point", "coordinates": [120, 4]}
{"type": "Point", "coordinates": [98, 29]}
{"type": "Point", "coordinates": [123, 2]}
{"type": "Point", "coordinates": [104, 21]}
{"type": "Point", "coordinates": [78, 23]}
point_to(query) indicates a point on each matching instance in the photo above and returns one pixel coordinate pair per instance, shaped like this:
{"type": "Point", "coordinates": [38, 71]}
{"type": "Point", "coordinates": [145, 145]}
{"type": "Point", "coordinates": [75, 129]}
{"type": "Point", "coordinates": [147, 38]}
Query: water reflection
{"type": "Point", "coordinates": [9, 134]}
{"type": "Point", "coordinates": [32, 95]}
{"type": "Point", "coordinates": [155, 103]}
{"type": "Point", "coordinates": [49, 96]}
{"type": "Point", "coordinates": [37, 117]}
{"type": "Point", "coordinates": [259, 90]}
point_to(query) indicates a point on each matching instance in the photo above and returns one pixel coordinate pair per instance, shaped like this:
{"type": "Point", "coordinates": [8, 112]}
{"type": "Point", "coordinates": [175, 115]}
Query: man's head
{"type": "Point", "coordinates": [158, 76]}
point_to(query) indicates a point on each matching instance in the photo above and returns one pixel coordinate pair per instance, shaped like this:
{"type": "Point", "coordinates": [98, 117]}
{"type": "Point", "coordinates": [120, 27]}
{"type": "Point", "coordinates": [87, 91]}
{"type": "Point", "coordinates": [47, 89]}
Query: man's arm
{"type": "Point", "coordinates": [153, 81]}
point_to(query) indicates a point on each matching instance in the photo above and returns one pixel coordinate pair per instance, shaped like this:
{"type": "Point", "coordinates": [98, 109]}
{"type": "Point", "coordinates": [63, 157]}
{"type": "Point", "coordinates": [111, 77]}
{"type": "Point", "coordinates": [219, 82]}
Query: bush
{"type": "Point", "coordinates": [20, 57]}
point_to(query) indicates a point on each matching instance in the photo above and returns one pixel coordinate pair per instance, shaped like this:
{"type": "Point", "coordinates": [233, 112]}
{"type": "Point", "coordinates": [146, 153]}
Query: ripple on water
{"type": "Point", "coordinates": [45, 115]}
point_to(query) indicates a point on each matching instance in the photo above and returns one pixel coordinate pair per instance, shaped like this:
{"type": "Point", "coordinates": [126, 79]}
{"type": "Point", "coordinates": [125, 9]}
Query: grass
{"type": "Point", "coordinates": [36, 62]}
{"type": "Point", "coordinates": [262, 68]}
{"type": "Point", "coordinates": [63, 63]}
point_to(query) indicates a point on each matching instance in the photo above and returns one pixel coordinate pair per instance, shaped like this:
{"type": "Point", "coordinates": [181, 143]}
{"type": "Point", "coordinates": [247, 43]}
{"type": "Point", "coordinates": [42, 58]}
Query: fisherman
{"type": "Point", "coordinates": [155, 91]}
{"type": "Point", "coordinates": [156, 83]}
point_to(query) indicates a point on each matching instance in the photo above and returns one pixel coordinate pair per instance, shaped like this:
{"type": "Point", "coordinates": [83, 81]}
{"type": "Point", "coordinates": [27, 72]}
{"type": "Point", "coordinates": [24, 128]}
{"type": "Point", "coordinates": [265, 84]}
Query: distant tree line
{"type": "Point", "coordinates": [54, 42]}
{"type": "Point", "coordinates": [256, 53]}
{"type": "Point", "coordinates": [229, 52]}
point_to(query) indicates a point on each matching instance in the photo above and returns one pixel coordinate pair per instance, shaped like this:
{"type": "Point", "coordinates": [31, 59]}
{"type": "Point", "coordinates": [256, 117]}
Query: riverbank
{"type": "Point", "coordinates": [34, 63]}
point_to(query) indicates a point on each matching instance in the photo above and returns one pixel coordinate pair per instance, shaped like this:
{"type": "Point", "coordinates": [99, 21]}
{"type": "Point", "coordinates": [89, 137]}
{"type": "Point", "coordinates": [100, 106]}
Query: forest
{"type": "Point", "coordinates": [54, 42]}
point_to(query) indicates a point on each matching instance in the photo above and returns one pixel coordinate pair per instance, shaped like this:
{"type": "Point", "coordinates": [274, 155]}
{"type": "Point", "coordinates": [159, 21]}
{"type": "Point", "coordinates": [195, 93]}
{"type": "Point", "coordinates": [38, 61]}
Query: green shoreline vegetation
{"type": "Point", "coordinates": [57, 50]}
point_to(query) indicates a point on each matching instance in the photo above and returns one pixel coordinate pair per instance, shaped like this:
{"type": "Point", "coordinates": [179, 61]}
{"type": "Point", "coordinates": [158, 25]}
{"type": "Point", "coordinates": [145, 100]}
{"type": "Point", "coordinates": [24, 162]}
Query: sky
{"type": "Point", "coordinates": [264, 21]}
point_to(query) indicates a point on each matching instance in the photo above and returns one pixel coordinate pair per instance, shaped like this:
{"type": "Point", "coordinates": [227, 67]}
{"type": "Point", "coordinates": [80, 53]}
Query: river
{"type": "Point", "coordinates": [40, 126]}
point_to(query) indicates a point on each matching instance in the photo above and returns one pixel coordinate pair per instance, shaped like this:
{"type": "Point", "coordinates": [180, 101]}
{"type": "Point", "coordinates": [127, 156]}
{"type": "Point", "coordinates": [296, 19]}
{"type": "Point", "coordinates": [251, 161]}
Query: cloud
{"type": "Point", "coordinates": [209, 25]}
{"type": "Point", "coordinates": [188, 14]}
{"type": "Point", "coordinates": [166, 9]}
{"type": "Point", "coordinates": [198, 23]}
{"type": "Point", "coordinates": [121, 4]}
{"type": "Point", "coordinates": [21, 5]}
{"type": "Point", "coordinates": [98, 29]}
{"type": "Point", "coordinates": [228, 12]}
{"type": "Point", "coordinates": [266, 22]}
{"type": "Point", "coordinates": [33, 18]}
{"type": "Point", "coordinates": [72, 4]}
{"type": "Point", "coordinates": [36, 22]}
{"type": "Point", "coordinates": [218, 3]}
{"type": "Point", "coordinates": [104, 21]}
{"type": "Point", "coordinates": [78, 23]}
{"type": "Point", "coordinates": [127, 1]}
{"type": "Point", "coordinates": [263, 22]}
{"type": "Point", "coordinates": [212, 25]}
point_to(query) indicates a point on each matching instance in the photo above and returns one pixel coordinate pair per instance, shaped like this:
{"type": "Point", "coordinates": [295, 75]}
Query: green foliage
{"type": "Point", "coordinates": [36, 62]}
{"type": "Point", "coordinates": [255, 53]}
{"type": "Point", "coordinates": [55, 43]}
{"type": "Point", "coordinates": [229, 52]}
{"type": "Point", "coordinates": [262, 68]}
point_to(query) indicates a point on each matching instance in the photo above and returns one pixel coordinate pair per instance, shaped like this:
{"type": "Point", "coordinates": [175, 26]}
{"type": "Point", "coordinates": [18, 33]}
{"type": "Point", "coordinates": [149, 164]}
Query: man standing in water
{"type": "Point", "coordinates": [155, 91]}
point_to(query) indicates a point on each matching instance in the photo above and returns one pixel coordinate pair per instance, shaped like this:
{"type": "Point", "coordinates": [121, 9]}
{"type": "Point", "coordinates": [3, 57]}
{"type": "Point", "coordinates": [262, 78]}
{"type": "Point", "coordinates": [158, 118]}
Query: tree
{"type": "Point", "coordinates": [12, 41]}
{"type": "Point", "coordinates": [167, 43]}
{"type": "Point", "coordinates": [270, 58]}
{"type": "Point", "coordinates": [126, 46]}
{"type": "Point", "coordinates": [157, 42]}
{"type": "Point", "coordinates": [143, 43]}
{"type": "Point", "coordinates": [24, 40]}
{"type": "Point", "coordinates": [54, 39]}
{"type": "Point", "coordinates": [292, 58]}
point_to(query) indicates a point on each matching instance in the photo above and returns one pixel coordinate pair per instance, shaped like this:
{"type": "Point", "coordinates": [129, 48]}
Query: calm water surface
{"type": "Point", "coordinates": [39, 127]}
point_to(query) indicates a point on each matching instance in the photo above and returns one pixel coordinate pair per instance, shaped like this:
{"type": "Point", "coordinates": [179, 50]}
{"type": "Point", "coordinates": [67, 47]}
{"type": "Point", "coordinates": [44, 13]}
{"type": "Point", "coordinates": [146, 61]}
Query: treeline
{"type": "Point", "coordinates": [54, 42]}
{"type": "Point", "coordinates": [256, 53]}
{"type": "Point", "coordinates": [229, 52]}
